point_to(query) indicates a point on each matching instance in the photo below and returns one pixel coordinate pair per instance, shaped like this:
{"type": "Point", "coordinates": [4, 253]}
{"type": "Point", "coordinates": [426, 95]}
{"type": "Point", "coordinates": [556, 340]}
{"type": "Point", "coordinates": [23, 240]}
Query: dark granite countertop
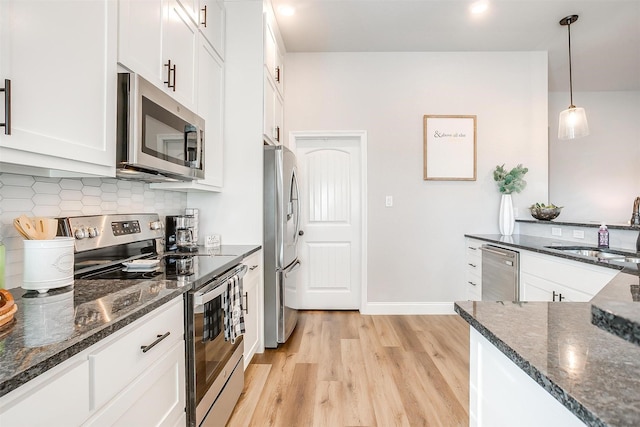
{"type": "Point", "coordinates": [49, 328]}
{"type": "Point", "coordinates": [593, 373]}
{"type": "Point", "coordinates": [545, 245]}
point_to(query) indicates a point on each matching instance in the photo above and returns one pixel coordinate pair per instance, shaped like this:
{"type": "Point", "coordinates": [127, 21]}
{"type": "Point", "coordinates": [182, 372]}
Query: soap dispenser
{"type": "Point", "coordinates": [603, 236]}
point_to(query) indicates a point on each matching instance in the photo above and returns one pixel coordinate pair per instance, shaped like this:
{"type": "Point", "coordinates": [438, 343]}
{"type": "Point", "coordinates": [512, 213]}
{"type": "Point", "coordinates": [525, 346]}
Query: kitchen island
{"type": "Point", "coordinates": [562, 348]}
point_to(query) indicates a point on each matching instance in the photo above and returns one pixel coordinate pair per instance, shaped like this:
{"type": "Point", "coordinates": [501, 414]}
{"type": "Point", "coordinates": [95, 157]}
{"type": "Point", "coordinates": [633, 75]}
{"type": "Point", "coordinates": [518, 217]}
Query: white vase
{"type": "Point", "coordinates": [506, 220]}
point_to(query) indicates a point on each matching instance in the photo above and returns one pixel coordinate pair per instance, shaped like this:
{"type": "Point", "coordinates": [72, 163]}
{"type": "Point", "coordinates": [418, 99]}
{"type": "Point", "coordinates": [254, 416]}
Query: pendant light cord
{"type": "Point", "coordinates": [570, 73]}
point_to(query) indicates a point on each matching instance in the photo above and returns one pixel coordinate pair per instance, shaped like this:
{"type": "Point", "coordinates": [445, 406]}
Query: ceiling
{"type": "Point", "coordinates": [605, 41]}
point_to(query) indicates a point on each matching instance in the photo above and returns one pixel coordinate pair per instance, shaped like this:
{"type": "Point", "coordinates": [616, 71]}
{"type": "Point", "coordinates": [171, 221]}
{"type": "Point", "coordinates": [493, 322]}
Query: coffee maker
{"type": "Point", "coordinates": [179, 234]}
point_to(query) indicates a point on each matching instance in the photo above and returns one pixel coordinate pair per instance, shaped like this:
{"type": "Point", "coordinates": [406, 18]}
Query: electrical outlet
{"type": "Point", "coordinates": [388, 201]}
{"type": "Point", "coordinates": [578, 234]}
{"type": "Point", "coordinates": [516, 212]}
{"type": "Point", "coordinates": [556, 231]}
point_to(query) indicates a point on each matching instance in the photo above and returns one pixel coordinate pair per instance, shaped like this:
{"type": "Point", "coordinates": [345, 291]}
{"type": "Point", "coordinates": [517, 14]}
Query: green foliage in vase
{"type": "Point", "coordinates": [512, 181]}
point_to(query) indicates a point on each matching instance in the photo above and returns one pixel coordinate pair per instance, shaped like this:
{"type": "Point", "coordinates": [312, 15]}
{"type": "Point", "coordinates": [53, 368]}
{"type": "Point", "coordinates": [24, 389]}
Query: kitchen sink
{"type": "Point", "coordinates": [593, 252]}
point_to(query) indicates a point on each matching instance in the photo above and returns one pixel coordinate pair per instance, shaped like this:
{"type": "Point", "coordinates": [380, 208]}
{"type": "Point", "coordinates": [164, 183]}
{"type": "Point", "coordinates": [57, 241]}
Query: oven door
{"type": "Point", "coordinates": [214, 364]}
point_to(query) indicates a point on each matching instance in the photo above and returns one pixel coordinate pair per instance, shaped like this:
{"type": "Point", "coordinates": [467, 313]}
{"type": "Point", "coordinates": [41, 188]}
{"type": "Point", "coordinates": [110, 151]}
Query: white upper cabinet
{"type": "Point", "coordinates": [211, 24]}
{"type": "Point", "coordinates": [60, 58]}
{"type": "Point", "coordinates": [273, 127]}
{"type": "Point", "coordinates": [158, 40]}
{"type": "Point", "coordinates": [140, 38]}
{"type": "Point", "coordinates": [179, 42]}
{"type": "Point", "coordinates": [273, 54]}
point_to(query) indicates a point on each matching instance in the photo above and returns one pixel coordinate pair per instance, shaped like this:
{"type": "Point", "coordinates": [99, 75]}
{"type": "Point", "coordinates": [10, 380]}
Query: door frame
{"type": "Point", "coordinates": [361, 136]}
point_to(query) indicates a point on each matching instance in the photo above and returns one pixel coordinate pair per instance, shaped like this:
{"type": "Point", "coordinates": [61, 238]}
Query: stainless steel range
{"type": "Point", "coordinates": [130, 247]}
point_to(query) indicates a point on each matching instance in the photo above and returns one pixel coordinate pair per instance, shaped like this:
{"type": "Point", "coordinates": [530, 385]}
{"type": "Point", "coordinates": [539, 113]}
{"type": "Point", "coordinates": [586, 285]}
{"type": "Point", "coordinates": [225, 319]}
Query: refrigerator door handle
{"type": "Point", "coordinates": [297, 229]}
{"type": "Point", "coordinates": [294, 267]}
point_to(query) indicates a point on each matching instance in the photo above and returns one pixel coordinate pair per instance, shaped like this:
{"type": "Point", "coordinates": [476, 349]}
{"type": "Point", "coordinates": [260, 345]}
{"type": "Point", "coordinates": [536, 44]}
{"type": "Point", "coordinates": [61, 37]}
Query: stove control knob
{"type": "Point", "coordinates": [93, 232]}
{"type": "Point", "coordinates": [155, 225]}
{"type": "Point", "coordinates": [80, 233]}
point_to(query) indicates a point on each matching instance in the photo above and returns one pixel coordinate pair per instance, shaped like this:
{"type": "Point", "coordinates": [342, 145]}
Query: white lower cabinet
{"type": "Point", "coordinates": [473, 274]}
{"type": "Point", "coordinates": [57, 398]}
{"type": "Point", "coordinates": [155, 398]}
{"type": "Point", "coordinates": [551, 278]}
{"type": "Point", "coordinates": [501, 394]}
{"type": "Point", "coordinates": [252, 286]}
{"type": "Point", "coordinates": [113, 382]}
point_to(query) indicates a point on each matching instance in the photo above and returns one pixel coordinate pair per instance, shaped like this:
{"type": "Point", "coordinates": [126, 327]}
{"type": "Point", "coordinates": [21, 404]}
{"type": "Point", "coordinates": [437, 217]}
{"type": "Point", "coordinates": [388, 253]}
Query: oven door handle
{"type": "Point", "coordinates": [203, 298]}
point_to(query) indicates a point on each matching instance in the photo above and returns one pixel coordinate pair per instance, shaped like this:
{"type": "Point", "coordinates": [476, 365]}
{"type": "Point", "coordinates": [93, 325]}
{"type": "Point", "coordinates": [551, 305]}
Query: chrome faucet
{"type": "Point", "coordinates": [635, 220]}
{"type": "Point", "coordinates": [635, 214]}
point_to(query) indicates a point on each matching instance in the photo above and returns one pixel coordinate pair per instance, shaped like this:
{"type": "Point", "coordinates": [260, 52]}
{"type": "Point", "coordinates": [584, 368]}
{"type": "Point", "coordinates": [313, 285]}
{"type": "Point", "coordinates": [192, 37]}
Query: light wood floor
{"type": "Point", "coordinates": [340, 368]}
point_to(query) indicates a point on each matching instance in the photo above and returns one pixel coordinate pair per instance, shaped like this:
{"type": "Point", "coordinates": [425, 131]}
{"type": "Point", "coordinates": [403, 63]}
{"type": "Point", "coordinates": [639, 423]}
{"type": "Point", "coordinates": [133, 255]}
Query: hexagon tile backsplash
{"type": "Point", "coordinates": [56, 197]}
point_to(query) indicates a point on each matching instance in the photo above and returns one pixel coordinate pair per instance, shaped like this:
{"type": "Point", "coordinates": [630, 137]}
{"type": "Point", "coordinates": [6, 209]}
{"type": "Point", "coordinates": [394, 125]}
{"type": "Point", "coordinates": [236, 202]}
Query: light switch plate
{"type": "Point", "coordinates": [388, 201]}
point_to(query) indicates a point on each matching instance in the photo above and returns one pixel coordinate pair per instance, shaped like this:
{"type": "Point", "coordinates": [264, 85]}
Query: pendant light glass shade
{"type": "Point", "coordinates": [573, 123]}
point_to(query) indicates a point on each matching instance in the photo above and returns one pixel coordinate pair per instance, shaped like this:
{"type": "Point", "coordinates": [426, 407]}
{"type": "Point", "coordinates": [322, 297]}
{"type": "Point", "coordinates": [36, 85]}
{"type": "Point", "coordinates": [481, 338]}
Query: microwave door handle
{"type": "Point", "coordinates": [187, 130]}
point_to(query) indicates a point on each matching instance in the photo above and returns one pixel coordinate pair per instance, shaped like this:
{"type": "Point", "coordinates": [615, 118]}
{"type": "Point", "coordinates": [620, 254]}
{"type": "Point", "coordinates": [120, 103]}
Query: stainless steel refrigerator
{"type": "Point", "coordinates": [281, 233]}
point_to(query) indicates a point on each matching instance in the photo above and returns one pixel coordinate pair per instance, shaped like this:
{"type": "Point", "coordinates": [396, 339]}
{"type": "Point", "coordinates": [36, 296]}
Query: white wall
{"type": "Point", "coordinates": [596, 178]}
{"type": "Point", "coordinates": [416, 247]}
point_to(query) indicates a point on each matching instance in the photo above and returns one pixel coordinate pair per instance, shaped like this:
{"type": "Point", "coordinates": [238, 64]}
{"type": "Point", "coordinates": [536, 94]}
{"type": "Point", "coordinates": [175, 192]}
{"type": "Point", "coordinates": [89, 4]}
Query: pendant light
{"type": "Point", "coordinates": [573, 121]}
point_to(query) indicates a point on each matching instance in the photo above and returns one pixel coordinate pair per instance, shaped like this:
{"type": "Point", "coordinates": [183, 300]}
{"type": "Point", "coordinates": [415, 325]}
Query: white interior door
{"type": "Point", "coordinates": [330, 250]}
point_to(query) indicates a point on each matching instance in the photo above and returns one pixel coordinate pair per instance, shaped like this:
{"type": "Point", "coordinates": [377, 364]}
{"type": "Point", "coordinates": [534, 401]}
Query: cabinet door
{"type": "Point", "coordinates": [269, 109]}
{"type": "Point", "coordinates": [210, 107]}
{"type": "Point", "coordinates": [61, 59]}
{"type": "Point", "coordinates": [539, 289]}
{"type": "Point", "coordinates": [533, 288]}
{"type": "Point", "coordinates": [179, 41]}
{"type": "Point", "coordinates": [278, 119]}
{"type": "Point", "coordinates": [125, 356]}
{"type": "Point", "coordinates": [252, 284]}
{"type": "Point", "coordinates": [270, 50]}
{"type": "Point", "coordinates": [140, 38]}
{"type": "Point", "coordinates": [59, 397]}
{"type": "Point", "coordinates": [155, 398]}
{"type": "Point", "coordinates": [212, 24]}
{"type": "Point", "coordinates": [273, 55]}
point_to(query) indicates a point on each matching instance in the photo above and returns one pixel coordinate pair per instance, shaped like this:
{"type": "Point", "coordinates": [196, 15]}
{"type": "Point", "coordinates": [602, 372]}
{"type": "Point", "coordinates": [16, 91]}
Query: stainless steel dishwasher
{"type": "Point", "coordinates": [500, 274]}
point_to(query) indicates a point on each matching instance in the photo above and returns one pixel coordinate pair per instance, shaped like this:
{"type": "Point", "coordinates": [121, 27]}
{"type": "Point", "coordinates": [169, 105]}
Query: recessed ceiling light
{"type": "Point", "coordinates": [479, 6]}
{"type": "Point", "coordinates": [286, 10]}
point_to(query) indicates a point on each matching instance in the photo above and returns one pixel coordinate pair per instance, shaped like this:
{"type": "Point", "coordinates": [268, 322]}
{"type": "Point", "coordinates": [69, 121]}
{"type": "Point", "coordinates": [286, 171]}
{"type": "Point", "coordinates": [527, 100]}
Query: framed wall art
{"type": "Point", "coordinates": [449, 148]}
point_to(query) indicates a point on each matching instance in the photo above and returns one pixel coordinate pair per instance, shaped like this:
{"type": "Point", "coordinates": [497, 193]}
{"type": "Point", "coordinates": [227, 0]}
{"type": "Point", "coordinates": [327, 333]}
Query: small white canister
{"type": "Point", "coordinates": [48, 264]}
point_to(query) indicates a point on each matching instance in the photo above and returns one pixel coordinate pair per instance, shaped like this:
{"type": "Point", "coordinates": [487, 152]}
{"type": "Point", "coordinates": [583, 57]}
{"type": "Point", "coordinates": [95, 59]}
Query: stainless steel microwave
{"type": "Point", "coordinates": [158, 139]}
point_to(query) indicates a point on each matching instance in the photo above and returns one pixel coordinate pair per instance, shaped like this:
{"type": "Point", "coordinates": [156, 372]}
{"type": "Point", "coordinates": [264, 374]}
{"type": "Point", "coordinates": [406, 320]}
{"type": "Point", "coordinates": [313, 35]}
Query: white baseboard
{"type": "Point", "coordinates": [408, 308]}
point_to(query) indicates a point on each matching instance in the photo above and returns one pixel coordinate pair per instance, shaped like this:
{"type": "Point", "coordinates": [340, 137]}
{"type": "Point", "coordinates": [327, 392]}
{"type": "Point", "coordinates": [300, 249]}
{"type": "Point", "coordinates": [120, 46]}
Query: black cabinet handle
{"type": "Point", "coordinates": [472, 265]}
{"type": "Point", "coordinates": [7, 106]}
{"type": "Point", "coordinates": [246, 303]}
{"type": "Point", "coordinates": [559, 295]}
{"type": "Point", "coordinates": [253, 267]}
{"type": "Point", "coordinates": [278, 74]}
{"type": "Point", "coordinates": [471, 283]}
{"type": "Point", "coordinates": [204, 11]}
{"type": "Point", "coordinates": [472, 248]}
{"type": "Point", "coordinates": [277, 133]}
{"type": "Point", "coordinates": [170, 70]}
{"type": "Point", "coordinates": [146, 348]}
{"type": "Point", "coordinates": [300, 233]}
